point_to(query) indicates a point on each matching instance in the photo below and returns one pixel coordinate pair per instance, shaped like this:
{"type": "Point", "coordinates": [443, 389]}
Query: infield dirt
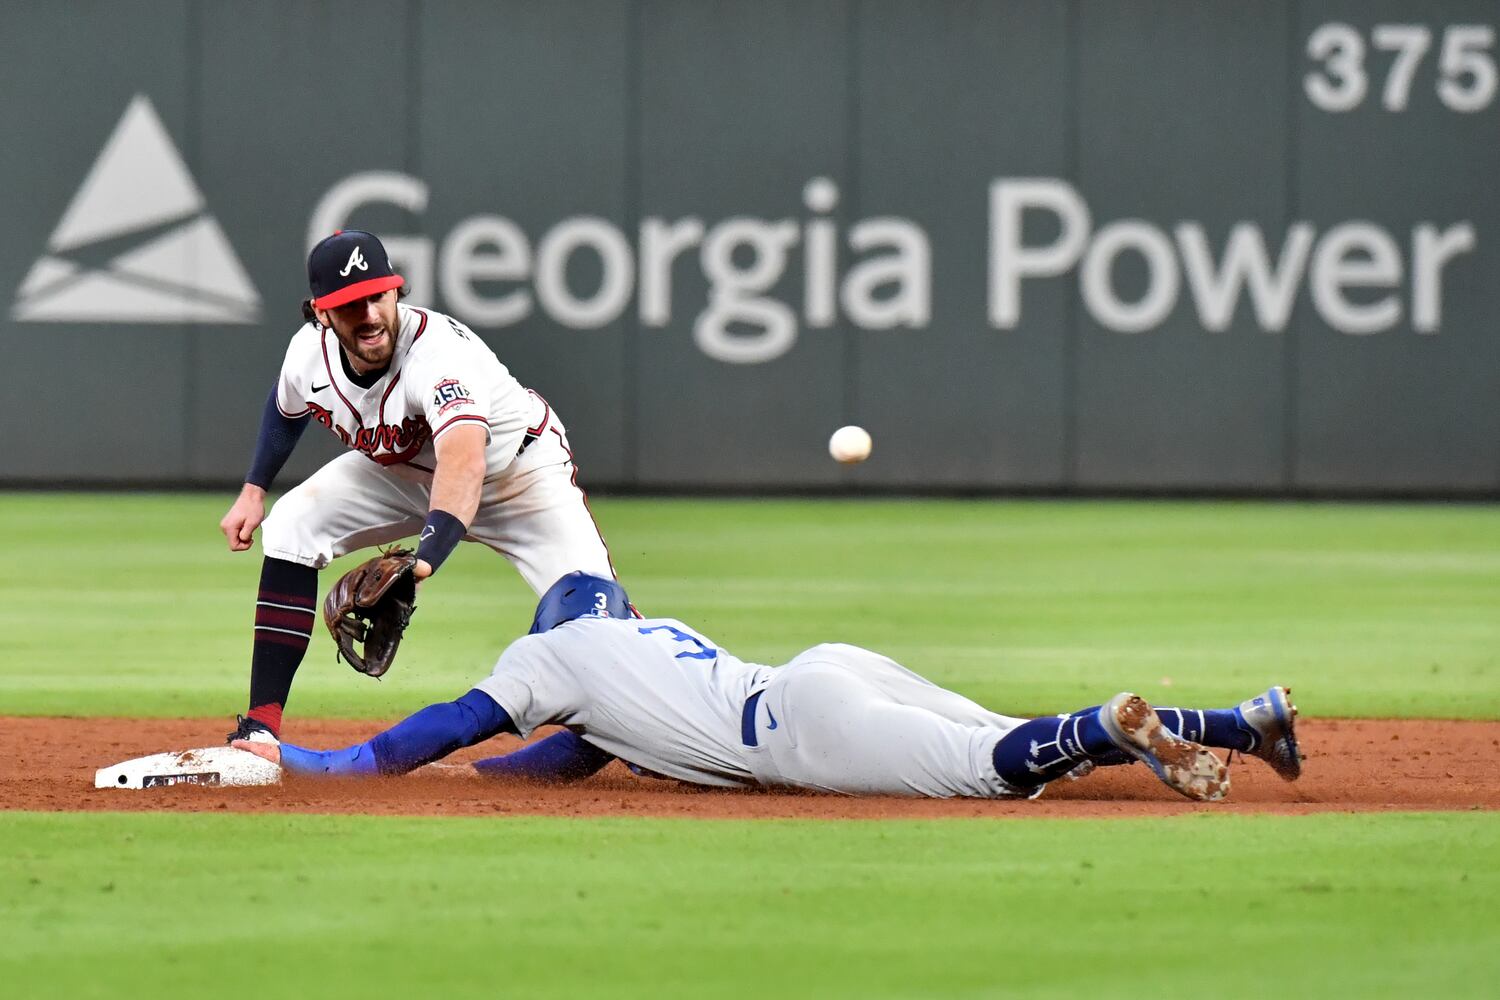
{"type": "Point", "coordinates": [48, 764]}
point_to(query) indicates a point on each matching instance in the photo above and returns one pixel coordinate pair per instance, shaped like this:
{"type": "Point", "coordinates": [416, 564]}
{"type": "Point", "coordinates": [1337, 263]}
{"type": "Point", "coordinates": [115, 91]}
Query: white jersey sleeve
{"type": "Point", "coordinates": [442, 384]}
{"type": "Point", "coordinates": [301, 360]}
{"type": "Point", "coordinates": [454, 380]}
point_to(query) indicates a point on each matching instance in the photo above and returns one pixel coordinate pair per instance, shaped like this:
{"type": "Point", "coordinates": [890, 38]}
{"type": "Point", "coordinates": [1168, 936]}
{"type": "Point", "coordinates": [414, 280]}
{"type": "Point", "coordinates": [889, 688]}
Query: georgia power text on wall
{"type": "Point", "coordinates": [1038, 246]}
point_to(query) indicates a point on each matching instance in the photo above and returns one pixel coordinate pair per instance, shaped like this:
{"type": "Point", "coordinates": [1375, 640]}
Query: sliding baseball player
{"type": "Point", "coordinates": [671, 702]}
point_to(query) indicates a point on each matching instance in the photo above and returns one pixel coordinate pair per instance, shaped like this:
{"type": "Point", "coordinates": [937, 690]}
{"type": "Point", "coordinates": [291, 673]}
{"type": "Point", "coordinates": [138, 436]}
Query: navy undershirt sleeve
{"type": "Point", "coordinates": [561, 757]}
{"type": "Point", "coordinates": [273, 445]}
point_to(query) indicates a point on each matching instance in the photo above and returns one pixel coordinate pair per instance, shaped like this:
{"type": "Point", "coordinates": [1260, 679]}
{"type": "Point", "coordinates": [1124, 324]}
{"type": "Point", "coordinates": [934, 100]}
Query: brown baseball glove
{"type": "Point", "coordinates": [372, 605]}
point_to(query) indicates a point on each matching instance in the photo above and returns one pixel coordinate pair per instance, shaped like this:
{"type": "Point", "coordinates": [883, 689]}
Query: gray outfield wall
{"type": "Point", "coordinates": [1130, 245]}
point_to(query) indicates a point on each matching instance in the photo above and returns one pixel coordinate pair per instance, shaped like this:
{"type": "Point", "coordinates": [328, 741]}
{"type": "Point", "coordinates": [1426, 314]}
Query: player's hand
{"type": "Point", "coordinates": [421, 571]}
{"type": "Point", "coordinates": [265, 751]}
{"type": "Point", "coordinates": [244, 517]}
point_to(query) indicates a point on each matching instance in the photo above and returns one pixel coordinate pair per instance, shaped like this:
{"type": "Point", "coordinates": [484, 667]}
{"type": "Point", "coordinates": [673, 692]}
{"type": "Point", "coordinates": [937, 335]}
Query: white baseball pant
{"type": "Point", "coordinates": [839, 718]}
{"type": "Point", "coordinates": [534, 514]}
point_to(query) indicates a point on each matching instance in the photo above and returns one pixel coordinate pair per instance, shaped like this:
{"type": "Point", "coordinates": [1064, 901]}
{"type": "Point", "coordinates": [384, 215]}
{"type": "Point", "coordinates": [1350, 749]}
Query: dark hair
{"type": "Point", "coordinates": [309, 316]}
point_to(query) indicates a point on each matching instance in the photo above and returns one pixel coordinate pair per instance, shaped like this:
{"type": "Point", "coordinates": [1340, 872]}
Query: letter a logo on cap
{"type": "Point", "coordinates": [176, 265]}
{"type": "Point", "coordinates": [356, 259]}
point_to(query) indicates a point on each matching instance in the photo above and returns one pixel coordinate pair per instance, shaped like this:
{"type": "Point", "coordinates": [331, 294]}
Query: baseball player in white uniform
{"type": "Point", "coordinates": [671, 703]}
{"type": "Point", "coordinates": [443, 442]}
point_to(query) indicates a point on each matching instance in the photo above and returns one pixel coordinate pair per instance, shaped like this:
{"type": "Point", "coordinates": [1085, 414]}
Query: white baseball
{"type": "Point", "coordinates": [850, 445]}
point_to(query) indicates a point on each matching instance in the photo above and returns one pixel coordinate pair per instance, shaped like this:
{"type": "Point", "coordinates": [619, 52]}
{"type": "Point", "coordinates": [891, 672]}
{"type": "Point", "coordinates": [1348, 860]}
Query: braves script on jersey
{"type": "Point", "coordinates": [441, 376]}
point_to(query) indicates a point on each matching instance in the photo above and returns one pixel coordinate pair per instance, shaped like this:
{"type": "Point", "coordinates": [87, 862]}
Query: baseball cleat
{"type": "Point", "coordinates": [1184, 767]}
{"type": "Point", "coordinates": [1271, 718]}
{"type": "Point", "coordinates": [252, 732]}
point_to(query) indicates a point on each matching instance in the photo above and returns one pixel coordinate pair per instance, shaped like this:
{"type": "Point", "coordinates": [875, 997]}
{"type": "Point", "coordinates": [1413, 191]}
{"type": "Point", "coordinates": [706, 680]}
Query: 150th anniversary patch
{"type": "Point", "coordinates": [448, 393]}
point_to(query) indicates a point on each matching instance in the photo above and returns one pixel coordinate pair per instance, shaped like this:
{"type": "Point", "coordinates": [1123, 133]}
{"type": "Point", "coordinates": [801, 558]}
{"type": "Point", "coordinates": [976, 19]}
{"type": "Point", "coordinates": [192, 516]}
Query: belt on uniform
{"type": "Point", "coordinates": [526, 442]}
{"type": "Point", "coordinates": [747, 720]}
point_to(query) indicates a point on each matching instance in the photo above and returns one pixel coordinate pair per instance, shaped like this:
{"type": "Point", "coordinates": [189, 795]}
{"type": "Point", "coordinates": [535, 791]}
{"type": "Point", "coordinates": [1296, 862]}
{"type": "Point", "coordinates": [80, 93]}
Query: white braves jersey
{"type": "Point", "coordinates": [441, 376]}
{"type": "Point", "coordinates": [650, 691]}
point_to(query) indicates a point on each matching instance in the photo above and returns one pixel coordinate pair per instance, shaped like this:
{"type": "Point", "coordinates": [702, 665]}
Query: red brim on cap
{"type": "Point", "coordinates": [359, 290]}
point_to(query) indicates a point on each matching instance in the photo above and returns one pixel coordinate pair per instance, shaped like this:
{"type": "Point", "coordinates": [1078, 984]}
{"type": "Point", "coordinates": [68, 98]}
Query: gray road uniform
{"type": "Point", "coordinates": [665, 698]}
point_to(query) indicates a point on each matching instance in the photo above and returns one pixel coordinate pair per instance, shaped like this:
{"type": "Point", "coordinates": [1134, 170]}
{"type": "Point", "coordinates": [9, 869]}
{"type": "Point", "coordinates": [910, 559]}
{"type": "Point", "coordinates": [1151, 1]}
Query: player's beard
{"type": "Point", "coordinates": [371, 354]}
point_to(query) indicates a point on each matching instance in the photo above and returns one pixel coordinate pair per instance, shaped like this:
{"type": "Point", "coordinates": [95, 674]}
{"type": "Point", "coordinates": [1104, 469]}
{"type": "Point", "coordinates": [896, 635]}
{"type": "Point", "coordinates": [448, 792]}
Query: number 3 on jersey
{"type": "Point", "coordinates": [703, 653]}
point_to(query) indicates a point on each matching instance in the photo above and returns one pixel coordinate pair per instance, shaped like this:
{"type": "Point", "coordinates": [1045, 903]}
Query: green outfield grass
{"type": "Point", "coordinates": [128, 604]}
{"type": "Point", "coordinates": [171, 906]}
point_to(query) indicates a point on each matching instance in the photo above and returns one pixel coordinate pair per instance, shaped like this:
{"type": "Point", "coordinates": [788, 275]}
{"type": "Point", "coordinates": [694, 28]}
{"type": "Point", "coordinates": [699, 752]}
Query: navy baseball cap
{"type": "Point", "coordinates": [349, 265]}
{"type": "Point", "coordinates": [579, 595]}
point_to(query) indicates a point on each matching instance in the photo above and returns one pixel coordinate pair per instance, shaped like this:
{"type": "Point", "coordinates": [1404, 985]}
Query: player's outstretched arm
{"type": "Point", "coordinates": [560, 758]}
{"type": "Point", "coordinates": [429, 735]}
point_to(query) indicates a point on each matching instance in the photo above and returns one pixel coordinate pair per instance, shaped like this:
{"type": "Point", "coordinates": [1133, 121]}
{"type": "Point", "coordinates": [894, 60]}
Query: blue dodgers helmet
{"type": "Point", "coordinates": [579, 595]}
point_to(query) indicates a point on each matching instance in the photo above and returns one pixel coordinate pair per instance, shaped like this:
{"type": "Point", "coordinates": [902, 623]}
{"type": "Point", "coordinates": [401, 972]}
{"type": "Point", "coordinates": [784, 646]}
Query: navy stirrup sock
{"type": "Point", "coordinates": [284, 618]}
{"type": "Point", "coordinates": [1213, 727]}
{"type": "Point", "coordinates": [1045, 749]}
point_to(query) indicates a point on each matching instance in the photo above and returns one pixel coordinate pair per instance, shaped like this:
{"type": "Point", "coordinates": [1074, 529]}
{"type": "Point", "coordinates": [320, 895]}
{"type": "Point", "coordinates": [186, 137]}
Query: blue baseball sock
{"type": "Point", "coordinates": [1213, 727]}
{"type": "Point", "coordinates": [1045, 749]}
